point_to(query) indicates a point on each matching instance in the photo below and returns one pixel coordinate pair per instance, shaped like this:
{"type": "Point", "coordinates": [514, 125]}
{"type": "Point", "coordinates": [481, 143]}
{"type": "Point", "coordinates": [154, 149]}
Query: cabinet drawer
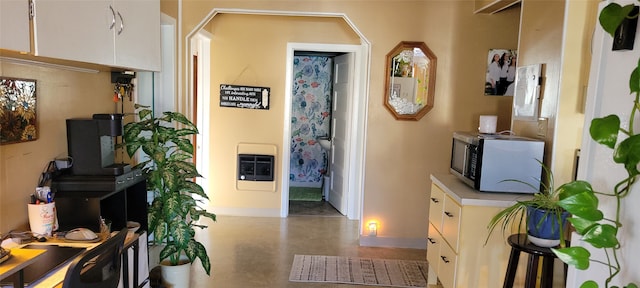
{"type": "Point", "coordinates": [447, 266]}
{"type": "Point", "coordinates": [451, 222]}
{"type": "Point", "coordinates": [436, 202]}
{"type": "Point", "coordinates": [433, 247]}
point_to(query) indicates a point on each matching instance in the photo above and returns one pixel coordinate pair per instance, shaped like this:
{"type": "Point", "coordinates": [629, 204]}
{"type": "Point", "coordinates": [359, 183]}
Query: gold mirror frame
{"type": "Point", "coordinates": [410, 80]}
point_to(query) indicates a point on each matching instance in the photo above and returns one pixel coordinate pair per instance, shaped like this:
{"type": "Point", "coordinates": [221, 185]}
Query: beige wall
{"type": "Point", "coordinates": [400, 155]}
{"type": "Point", "coordinates": [256, 58]}
{"type": "Point", "coordinates": [565, 74]}
{"type": "Point", "coordinates": [573, 89]}
{"type": "Point", "coordinates": [61, 94]}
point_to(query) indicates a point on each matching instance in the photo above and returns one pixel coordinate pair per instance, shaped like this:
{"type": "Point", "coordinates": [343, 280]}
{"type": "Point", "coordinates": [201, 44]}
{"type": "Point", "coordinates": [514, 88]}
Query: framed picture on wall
{"type": "Point", "coordinates": [501, 72]}
{"type": "Point", "coordinates": [17, 110]}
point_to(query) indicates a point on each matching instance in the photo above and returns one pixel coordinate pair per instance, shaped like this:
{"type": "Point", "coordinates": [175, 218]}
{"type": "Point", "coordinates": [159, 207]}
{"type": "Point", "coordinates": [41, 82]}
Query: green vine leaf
{"type": "Point", "coordinates": [581, 225]}
{"type": "Point", "coordinates": [601, 236]}
{"type": "Point", "coordinates": [578, 198]}
{"type": "Point", "coordinates": [628, 153]}
{"type": "Point", "coordinates": [589, 284]}
{"type": "Point", "coordinates": [634, 80]}
{"type": "Point", "coordinates": [574, 256]}
{"type": "Point", "coordinates": [605, 130]}
{"type": "Point", "coordinates": [612, 15]}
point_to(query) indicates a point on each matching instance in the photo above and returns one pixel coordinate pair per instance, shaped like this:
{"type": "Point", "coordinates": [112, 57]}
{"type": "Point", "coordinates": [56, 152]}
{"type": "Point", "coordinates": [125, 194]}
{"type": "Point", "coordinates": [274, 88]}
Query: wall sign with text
{"type": "Point", "coordinates": [250, 97]}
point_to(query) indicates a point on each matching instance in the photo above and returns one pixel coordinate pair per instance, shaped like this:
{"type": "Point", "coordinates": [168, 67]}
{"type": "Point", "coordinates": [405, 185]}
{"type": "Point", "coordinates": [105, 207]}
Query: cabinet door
{"type": "Point", "coordinates": [451, 222]}
{"type": "Point", "coordinates": [76, 30]}
{"type": "Point", "coordinates": [137, 39]}
{"type": "Point", "coordinates": [433, 247]}
{"type": "Point", "coordinates": [436, 202]}
{"type": "Point", "coordinates": [14, 25]}
{"type": "Point", "coordinates": [447, 267]}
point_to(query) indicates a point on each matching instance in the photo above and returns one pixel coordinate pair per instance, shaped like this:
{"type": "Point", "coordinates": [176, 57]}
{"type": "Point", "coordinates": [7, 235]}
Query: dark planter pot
{"type": "Point", "coordinates": [542, 227]}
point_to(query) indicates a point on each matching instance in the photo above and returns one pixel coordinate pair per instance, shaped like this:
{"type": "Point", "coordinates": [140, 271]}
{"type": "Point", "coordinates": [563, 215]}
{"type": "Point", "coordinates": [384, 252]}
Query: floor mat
{"type": "Point", "coordinates": [355, 270]}
{"type": "Point", "coordinates": [305, 194]}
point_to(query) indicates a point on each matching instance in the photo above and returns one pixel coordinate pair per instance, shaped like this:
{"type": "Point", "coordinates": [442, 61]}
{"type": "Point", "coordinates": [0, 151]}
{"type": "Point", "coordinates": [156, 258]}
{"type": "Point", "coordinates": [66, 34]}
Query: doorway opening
{"type": "Point", "coordinates": [313, 110]}
{"type": "Point", "coordinates": [338, 126]}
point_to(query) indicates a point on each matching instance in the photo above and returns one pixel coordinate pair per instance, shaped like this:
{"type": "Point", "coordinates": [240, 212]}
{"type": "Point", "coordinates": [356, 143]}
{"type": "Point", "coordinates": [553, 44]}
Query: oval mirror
{"type": "Point", "coordinates": [410, 80]}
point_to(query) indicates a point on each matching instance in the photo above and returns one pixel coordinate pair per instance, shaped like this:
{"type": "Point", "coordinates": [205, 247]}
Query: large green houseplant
{"type": "Point", "coordinates": [587, 220]}
{"type": "Point", "coordinates": [175, 209]}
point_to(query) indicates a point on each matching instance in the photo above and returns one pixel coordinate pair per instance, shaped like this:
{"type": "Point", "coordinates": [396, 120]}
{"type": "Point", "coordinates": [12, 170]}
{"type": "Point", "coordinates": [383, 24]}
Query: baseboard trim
{"type": "Point", "coordinates": [248, 212]}
{"type": "Point", "coordinates": [375, 241]}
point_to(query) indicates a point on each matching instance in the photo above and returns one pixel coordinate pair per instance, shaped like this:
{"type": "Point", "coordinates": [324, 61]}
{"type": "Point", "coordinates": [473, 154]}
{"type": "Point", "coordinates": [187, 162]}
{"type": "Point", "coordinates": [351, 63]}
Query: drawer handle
{"type": "Point", "coordinates": [444, 259]}
{"type": "Point", "coordinates": [435, 200]}
{"type": "Point", "coordinates": [431, 240]}
{"type": "Point", "coordinates": [449, 214]}
{"type": "Point", "coordinates": [120, 181]}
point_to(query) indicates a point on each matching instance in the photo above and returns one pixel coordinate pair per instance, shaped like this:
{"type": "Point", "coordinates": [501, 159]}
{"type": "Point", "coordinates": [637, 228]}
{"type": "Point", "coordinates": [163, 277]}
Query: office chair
{"type": "Point", "coordinates": [98, 267]}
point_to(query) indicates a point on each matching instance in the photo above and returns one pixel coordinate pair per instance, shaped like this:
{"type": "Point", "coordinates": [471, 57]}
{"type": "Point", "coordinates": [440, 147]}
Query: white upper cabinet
{"type": "Point", "coordinates": [138, 42]}
{"type": "Point", "coordinates": [123, 33]}
{"type": "Point", "coordinates": [14, 25]}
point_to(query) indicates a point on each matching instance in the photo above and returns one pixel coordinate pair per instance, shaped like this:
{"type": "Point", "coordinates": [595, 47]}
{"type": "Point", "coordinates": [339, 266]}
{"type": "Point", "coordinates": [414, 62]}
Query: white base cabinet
{"type": "Point", "coordinates": [456, 250]}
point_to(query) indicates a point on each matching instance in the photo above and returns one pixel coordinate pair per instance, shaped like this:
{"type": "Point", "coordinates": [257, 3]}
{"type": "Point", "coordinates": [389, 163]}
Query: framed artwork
{"type": "Point", "coordinates": [17, 110]}
{"type": "Point", "coordinates": [501, 72]}
{"type": "Point", "coordinates": [527, 92]}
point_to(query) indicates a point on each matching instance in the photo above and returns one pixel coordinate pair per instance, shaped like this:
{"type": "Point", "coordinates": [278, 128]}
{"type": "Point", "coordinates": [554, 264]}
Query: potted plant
{"type": "Point", "coordinates": [545, 218]}
{"type": "Point", "coordinates": [175, 209]}
{"type": "Point", "coordinates": [587, 220]}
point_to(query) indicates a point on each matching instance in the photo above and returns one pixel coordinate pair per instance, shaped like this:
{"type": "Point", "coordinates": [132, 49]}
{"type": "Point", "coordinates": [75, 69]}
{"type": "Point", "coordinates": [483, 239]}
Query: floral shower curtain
{"type": "Point", "coordinates": [310, 119]}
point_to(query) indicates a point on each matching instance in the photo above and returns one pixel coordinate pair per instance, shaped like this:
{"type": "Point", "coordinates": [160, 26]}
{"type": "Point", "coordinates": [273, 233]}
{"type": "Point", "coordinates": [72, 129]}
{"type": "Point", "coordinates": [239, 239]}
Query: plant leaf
{"type": "Point", "coordinates": [581, 225]}
{"type": "Point", "coordinates": [167, 251]}
{"type": "Point", "coordinates": [184, 145]}
{"type": "Point", "coordinates": [612, 16]}
{"type": "Point", "coordinates": [198, 250]}
{"type": "Point", "coordinates": [601, 236]}
{"type": "Point", "coordinates": [634, 80]}
{"type": "Point", "coordinates": [583, 205]}
{"type": "Point", "coordinates": [628, 153]}
{"type": "Point", "coordinates": [195, 188]}
{"type": "Point", "coordinates": [575, 256]}
{"type": "Point", "coordinates": [605, 130]}
{"type": "Point", "coordinates": [589, 284]}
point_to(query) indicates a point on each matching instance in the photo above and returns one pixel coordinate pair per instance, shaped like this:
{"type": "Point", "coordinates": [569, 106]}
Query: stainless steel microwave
{"type": "Point", "coordinates": [497, 163]}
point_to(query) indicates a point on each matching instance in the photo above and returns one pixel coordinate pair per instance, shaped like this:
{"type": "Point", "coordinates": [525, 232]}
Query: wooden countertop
{"type": "Point", "coordinates": [465, 195]}
{"type": "Point", "coordinates": [19, 259]}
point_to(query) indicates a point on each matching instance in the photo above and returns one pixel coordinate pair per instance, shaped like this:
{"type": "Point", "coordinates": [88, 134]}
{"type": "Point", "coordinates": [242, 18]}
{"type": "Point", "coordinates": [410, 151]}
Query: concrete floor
{"type": "Point", "coordinates": [258, 252]}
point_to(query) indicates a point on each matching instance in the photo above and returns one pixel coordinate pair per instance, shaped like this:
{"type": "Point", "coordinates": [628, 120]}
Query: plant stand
{"type": "Point", "coordinates": [519, 243]}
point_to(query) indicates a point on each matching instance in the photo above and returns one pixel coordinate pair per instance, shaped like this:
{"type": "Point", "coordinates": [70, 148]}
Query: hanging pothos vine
{"type": "Point", "coordinates": [587, 219]}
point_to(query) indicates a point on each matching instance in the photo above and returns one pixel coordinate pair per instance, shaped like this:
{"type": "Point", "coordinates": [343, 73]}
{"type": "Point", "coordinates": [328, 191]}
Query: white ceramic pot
{"type": "Point", "coordinates": [175, 276]}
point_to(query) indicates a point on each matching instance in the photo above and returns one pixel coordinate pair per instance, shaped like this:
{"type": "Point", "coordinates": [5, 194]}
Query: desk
{"type": "Point", "coordinates": [135, 246]}
{"type": "Point", "coordinates": [20, 258]}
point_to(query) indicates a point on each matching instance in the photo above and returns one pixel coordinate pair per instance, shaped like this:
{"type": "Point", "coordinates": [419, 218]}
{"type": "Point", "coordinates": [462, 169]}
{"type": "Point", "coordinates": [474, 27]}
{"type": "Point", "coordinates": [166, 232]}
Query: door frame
{"type": "Point", "coordinates": [356, 132]}
{"type": "Point", "coordinates": [201, 46]}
